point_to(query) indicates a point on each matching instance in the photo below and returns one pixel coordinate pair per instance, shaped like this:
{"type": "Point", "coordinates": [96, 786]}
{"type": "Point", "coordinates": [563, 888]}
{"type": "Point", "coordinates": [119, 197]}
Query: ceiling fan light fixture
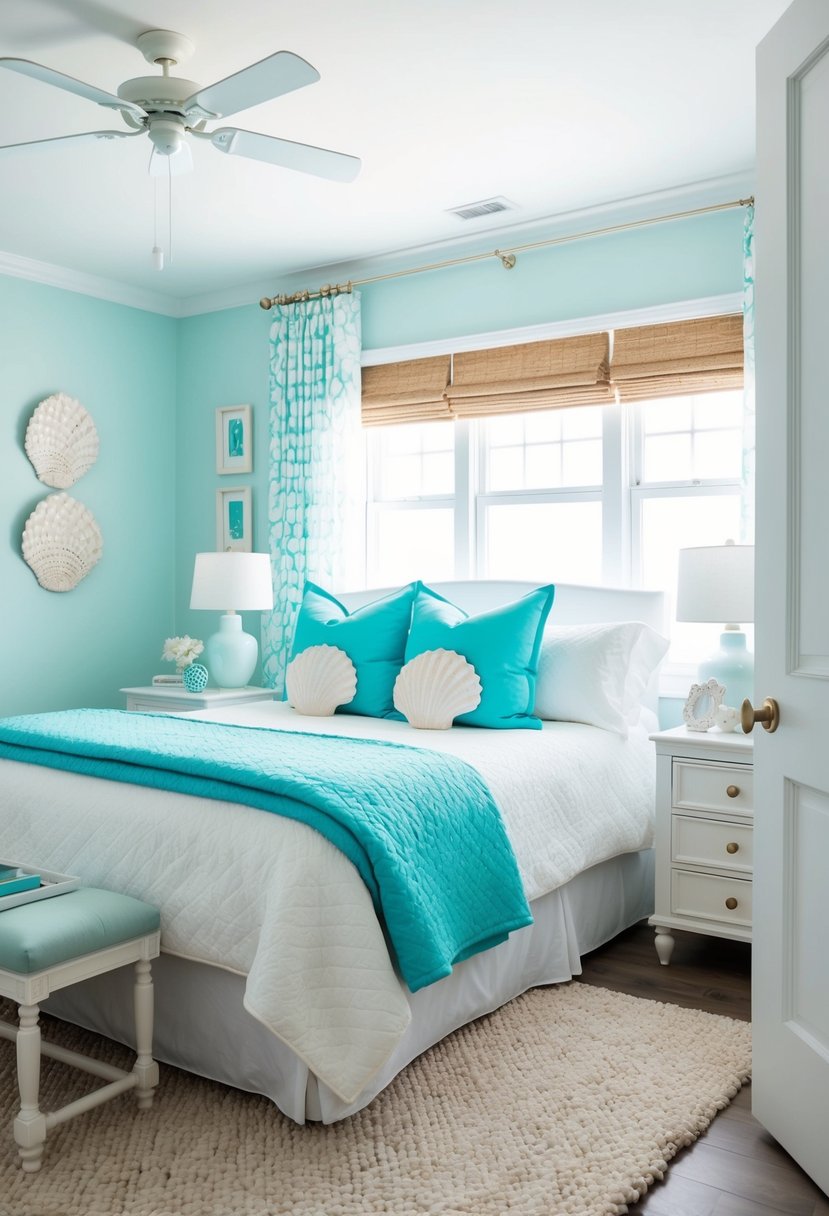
{"type": "Point", "coordinates": [167, 135]}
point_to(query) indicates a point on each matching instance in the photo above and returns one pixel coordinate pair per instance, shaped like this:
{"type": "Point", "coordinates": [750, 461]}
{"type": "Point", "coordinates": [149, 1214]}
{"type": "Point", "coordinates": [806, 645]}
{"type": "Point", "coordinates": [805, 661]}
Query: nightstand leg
{"type": "Point", "coordinates": [664, 943]}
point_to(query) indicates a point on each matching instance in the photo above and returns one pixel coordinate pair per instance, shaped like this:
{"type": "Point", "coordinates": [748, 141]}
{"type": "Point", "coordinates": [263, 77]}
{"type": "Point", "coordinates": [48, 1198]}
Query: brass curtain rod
{"type": "Point", "coordinates": [507, 256]}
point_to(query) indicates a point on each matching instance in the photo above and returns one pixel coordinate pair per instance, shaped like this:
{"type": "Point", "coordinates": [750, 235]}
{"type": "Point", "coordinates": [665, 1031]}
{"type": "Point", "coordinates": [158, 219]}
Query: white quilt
{"type": "Point", "coordinates": [273, 900]}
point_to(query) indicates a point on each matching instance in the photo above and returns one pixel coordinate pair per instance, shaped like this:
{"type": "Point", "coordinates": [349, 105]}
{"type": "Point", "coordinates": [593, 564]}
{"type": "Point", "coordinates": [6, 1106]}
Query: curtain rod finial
{"type": "Point", "coordinates": [266, 303]}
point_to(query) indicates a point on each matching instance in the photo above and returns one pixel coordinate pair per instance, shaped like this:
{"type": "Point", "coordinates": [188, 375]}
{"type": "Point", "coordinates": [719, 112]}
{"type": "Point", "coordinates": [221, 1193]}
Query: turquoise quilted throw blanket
{"type": "Point", "coordinates": [421, 827]}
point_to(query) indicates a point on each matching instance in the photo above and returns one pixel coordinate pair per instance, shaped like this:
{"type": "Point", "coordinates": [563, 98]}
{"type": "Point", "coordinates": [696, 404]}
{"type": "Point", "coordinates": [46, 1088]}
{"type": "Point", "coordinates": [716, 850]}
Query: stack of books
{"type": "Point", "coordinates": [178, 678]}
{"type": "Point", "coordinates": [13, 880]}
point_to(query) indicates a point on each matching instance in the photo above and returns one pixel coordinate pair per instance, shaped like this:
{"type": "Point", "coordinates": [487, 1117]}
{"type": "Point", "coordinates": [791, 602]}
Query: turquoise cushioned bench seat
{"type": "Point", "coordinates": [38, 935]}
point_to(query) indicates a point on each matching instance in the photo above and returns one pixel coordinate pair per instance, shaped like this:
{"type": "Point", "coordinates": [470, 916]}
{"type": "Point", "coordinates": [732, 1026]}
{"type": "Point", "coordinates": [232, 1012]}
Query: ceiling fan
{"type": "Point", "coordinates": [170, 109]}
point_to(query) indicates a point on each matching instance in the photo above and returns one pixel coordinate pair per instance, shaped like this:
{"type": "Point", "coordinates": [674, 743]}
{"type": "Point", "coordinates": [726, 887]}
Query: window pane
{"type": "Point", "coordinates": [413, 544]}
{"type": "Point", "coordinates": [666, 414]}
{"type": "Point", "coordinates": [543, 426]}
{"type": "Point", "coordinates": [671, 524]}
{"type": "Point", "coordinates": [718, 453]}
{"type": "Point", "coordinates": [718, 409]}
{"type": "Point", "coordinates": [668, 458]}
{"type": "Point", "coordinates": [585, 422]}
{"type": "Point", "coordinates": [543, 466]}
{"type": "Point", "coordinates": [582, 463]}
{"type": "Point", "coordinates": [506, 469]}
{"type": "Point", "coordinates": [544, 541]}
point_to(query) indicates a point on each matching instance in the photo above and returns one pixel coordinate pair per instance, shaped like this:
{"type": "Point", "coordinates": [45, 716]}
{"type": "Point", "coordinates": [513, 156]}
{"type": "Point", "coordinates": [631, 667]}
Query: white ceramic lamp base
{"type": "Point", "coordinates": [733, 666]}
{"type": "Point", "coordinates": [231, 654]}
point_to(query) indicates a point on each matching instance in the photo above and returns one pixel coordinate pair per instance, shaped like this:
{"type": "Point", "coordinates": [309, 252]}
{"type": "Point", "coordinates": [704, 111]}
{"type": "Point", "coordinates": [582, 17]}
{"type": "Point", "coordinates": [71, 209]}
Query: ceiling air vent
{"type": "Point", "coordinates": [487, 206]}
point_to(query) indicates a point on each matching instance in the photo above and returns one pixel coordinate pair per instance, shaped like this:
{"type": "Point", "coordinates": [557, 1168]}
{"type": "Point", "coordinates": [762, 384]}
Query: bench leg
{"type": "Point", "coordinates": [145, 1067]}
{"type": "Point", "coordinates": [30, 1124]}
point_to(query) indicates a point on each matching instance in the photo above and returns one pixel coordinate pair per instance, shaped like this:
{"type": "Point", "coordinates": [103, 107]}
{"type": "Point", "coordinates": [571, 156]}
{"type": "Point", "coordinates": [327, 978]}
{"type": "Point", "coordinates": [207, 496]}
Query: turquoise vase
{"type": "Point", "coordinates": [195, 677]}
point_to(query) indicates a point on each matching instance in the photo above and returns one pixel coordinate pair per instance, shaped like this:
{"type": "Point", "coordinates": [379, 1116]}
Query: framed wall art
{"type": "Point", "coordinates": [234, 522]}
{"type": "Point", "coordinates": [234, 439]}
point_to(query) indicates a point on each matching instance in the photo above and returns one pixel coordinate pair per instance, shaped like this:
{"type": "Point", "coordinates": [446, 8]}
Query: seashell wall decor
{"type": "Point", "coordinates": [61, 441]}
{"type": "Point", "coordinates": [319, 679]}
{"type": "Point", "coordinates": [61, 542]}
{"type": "Point", "coordinates": [436, 687]}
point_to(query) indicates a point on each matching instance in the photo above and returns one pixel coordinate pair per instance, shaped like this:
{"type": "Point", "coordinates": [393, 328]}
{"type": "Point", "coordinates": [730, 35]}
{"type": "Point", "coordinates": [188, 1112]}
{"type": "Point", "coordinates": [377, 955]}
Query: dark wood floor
{"type": "Point", "coordinates": [736, 1168]}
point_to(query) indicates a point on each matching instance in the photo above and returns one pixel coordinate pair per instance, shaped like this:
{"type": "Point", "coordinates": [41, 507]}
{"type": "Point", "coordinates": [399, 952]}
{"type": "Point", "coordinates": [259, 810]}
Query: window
{"type": "Point", "coordinates": [587, 494]}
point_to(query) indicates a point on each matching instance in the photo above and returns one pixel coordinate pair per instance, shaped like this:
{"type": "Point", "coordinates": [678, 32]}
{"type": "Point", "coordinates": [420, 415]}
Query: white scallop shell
{"type": "Point", "coordinates": [319, 679]}
{"type": "Point", "coordinates": [61, 441]}
{"type": "Point", "coordinates": [61, 542]}
{"type": "Point", "coordinates": [436, 687]}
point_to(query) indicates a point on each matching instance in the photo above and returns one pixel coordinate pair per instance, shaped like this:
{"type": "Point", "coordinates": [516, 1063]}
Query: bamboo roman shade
{"type": "Point", "coordinates": [534, 376]}
{"type": "Point", "coordinates": [412, 391]}
{"type": "Point", "coordinates": [699, 356]}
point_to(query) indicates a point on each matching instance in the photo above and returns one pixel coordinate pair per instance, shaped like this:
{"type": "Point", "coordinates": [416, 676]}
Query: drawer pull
{"type": "Point", "coordinates": [733, 791]}
{"type": "Point", "coordinates": [732, 847]}
{"type": "Point", "coordinates": [731, 903]}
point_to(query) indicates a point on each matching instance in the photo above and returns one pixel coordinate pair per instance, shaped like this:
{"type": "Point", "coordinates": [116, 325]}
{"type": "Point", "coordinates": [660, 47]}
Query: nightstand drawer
{"type": "Point", "coordinates": [705, 896]}
{"type": "Point", "coordinates": [705, 787]}
{"type": "Point", "coordinates": [712, 842]}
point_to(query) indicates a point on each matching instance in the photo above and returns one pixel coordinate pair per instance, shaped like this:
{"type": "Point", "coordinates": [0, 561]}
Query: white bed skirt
{"type": "Point", "coordinates": [202, 1026]}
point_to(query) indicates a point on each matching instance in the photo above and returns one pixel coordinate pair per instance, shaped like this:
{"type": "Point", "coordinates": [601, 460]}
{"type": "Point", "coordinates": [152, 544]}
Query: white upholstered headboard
{"type": "Point", "coordinates": [573, 604]}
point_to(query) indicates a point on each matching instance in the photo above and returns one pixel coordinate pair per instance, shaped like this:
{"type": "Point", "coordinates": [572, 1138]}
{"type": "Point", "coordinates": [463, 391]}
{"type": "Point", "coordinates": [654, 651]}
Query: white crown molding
{"type": "Point", "coordinates": [49, 275]}
{"type": "Point", "coordinates": [657, 314]}
{"type": "Point", "coordinates": [621, 211]}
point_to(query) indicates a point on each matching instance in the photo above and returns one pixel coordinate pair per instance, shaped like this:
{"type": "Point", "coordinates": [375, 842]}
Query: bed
{"type": "Point", "coordinates": [276, 975]}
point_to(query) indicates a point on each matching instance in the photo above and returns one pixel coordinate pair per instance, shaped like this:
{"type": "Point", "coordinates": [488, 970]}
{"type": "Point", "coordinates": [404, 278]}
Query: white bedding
{"type": "Point", "coordinates": [271, 899]}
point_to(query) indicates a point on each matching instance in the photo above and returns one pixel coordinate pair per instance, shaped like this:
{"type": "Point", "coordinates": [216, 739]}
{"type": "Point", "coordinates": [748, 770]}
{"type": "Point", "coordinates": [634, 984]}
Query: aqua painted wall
{"type": "Point", "coordinates": [153, 383]}
{"type": "Point", "coordinates": [79, 647]}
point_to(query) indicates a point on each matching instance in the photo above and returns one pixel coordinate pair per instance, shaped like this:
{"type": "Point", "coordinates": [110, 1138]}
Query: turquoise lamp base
{"type": "Point", "coordinates": [733, 666]}
{"type": "Point", "coordinates": [231, 654]}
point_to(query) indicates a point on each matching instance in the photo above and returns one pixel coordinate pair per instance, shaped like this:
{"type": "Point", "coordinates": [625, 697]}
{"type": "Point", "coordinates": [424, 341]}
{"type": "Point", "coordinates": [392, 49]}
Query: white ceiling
{"type": "Point", "coordinates": [557, 106]}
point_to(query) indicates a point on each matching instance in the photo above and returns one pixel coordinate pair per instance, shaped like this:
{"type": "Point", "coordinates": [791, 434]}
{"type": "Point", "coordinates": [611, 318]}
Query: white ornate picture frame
{"type": "Point", "coordinates": [700, 709]}
{"type": "Point", "coordinates": [234, 439]}
{"type": "Point", "coordinates": [234, 523]}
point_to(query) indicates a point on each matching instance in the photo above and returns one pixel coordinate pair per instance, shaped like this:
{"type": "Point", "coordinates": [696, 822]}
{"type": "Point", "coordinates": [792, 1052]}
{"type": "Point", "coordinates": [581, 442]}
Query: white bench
{"type": "Point", "coordinates": [49, 944]}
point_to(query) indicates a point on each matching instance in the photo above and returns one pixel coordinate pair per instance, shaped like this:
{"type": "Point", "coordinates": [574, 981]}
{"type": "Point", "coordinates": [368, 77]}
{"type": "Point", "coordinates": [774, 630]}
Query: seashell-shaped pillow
{"type": "Point", "coordinates": [320, 679]}
{"type": "Point", "coordinates": [61, 542]}
{"type": "Point", "coordinates": [436, 687]}
{"type": "Point", "coordinates": [61, 441]}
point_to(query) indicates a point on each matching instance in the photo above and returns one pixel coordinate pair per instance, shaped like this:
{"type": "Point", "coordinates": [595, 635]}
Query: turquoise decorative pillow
{"type": "Point", "coordinates": [373, 637]}
{"type": "Point", "coordinates": [502, 645]}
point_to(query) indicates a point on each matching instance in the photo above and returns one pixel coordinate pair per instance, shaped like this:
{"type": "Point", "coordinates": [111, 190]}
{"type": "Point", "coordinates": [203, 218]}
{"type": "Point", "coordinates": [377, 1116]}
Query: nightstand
{"type": "Point", "coordinates": [704, 825]}
{"type": "Point", "coordinates": [174, 698]}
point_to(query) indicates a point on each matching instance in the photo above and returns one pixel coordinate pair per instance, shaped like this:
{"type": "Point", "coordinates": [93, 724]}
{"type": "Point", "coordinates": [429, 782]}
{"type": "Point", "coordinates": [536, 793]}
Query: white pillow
{"type": "Point", "coordinates": [596, 673]}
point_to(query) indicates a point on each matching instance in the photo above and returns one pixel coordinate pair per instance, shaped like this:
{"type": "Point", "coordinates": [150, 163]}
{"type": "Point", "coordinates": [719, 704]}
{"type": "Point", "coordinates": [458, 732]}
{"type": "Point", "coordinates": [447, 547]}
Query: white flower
{"type": "Point", "coordinates": [182, 651]}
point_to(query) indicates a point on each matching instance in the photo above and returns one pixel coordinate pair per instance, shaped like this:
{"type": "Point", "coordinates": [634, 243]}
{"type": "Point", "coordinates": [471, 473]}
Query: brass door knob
{"type": "Point", "coordinates": [732, 847]}
{"type": "Point", "coordinates": [769, 715]}
{"type": "Point", "coordinates": [733, 791]}
{"type": "Point", "coordinates": [731, 903]}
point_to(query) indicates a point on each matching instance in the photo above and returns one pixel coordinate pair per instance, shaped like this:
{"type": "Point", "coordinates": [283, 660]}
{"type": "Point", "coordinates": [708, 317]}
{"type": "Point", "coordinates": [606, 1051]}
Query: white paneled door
{"type": "Point", "coordinates": [791, 912]}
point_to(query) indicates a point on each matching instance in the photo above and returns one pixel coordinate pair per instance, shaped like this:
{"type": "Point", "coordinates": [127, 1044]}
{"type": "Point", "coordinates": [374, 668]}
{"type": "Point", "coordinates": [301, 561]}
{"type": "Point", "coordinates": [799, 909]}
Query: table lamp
{"type": "Point", "coordinates": [716, 583]}
{"type": "Point", "coordinates": [233, 582]}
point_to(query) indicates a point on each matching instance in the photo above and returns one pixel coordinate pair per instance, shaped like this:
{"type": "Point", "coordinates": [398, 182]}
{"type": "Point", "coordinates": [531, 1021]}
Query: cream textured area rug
{"type": "Point", "coordinates": [570, 1101]}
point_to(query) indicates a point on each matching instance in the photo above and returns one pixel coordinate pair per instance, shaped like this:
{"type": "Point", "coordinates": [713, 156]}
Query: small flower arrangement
{"type": "Point", "coordinates": [182, 651]}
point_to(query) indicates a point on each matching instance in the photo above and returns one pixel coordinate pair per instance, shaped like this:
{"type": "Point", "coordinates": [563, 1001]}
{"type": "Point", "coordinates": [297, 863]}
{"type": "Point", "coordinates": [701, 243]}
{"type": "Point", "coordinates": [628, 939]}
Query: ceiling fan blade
{"type": "Point", "coordinates": [173, 166]}
{"type": "Point", "coordinates": [70, 85]}
{"type": "Point", "coordinates": [305, 158]}
{"type": "Point", "coordinates": [83, 137]}
{"type": "Point", "coordinates": [271, 77]}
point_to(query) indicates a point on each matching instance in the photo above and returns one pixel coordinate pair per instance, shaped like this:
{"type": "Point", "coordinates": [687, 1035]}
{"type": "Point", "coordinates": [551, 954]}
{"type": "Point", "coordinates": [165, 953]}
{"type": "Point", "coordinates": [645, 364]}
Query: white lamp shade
{"type": "Point", "coordinates": [232, 582]}
{"type": "Point", "coordinates": [716, 583]}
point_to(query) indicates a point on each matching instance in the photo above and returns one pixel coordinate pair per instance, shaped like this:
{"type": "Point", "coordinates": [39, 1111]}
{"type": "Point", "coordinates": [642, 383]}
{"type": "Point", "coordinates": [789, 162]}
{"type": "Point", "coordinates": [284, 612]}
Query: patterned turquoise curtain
{"type": "Point", "coordinates": [314, 454]}
{"type": "Point", "coordinates": [747, 503]}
